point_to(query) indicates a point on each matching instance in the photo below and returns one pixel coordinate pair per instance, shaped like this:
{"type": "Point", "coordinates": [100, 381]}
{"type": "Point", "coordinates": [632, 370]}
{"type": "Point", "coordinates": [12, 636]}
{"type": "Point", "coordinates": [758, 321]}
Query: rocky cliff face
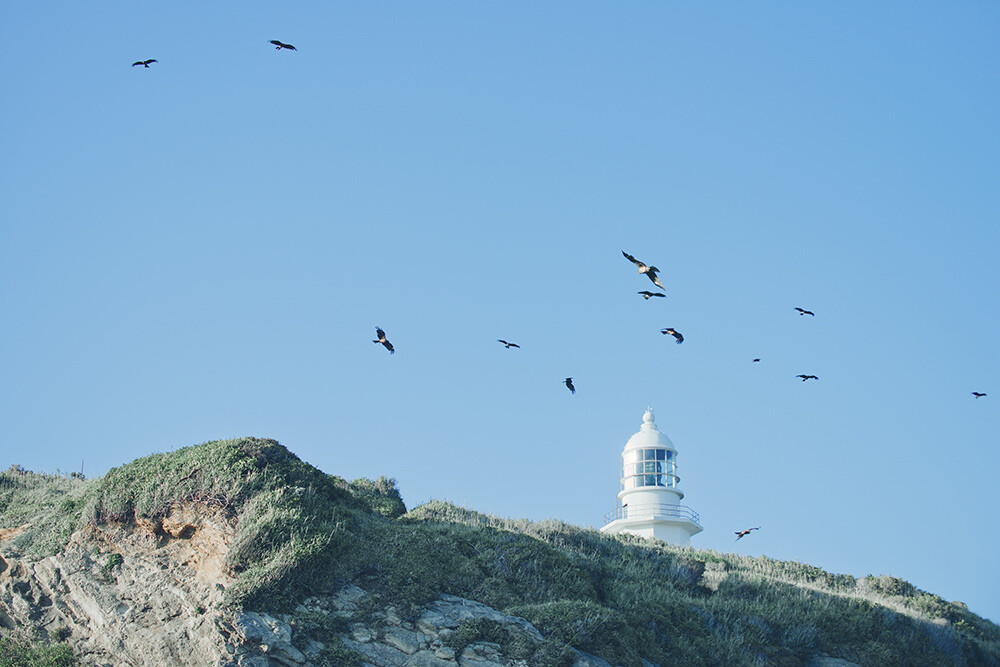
{"type": "Point", "coordinates": [137, 594]}
{"type": "Point", "coordinates": [151, 594]}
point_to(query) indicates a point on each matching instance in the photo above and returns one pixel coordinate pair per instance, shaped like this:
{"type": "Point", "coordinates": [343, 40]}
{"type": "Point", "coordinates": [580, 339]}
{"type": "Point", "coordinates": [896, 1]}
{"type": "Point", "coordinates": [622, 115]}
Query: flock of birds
{"type": "Point", "coordinates": [644, 269]}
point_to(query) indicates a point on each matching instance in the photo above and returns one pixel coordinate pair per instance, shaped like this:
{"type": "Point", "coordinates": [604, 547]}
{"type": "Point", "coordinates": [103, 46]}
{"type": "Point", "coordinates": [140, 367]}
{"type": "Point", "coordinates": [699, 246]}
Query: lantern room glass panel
{"type": "Point", "coordinates": [649, 467]}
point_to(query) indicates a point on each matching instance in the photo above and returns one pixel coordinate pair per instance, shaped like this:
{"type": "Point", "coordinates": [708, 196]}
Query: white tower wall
{"type": "Point", "coordinates": [649, 500]}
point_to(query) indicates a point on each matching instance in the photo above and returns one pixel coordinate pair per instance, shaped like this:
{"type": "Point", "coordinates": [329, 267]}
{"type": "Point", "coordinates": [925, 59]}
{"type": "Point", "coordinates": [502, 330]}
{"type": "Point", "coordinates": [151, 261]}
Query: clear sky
{"type": "Point", "coordinates": [202, 250]}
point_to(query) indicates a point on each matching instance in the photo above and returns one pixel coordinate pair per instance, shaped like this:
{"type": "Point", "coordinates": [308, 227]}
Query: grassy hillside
{"type": "Point", "coordinates": [301, 531]}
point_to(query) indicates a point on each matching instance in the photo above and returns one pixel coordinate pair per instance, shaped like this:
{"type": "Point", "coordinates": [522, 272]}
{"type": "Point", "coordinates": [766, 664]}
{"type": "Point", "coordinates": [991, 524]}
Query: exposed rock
{"type": "Point", "coordinates": [481, 654]}
{"type": "Point", "coordinates": [402, 639]}
{"type": "Point", "coordinates": [151, 605]}
{"type": "Point", "coordinates": [150, 593]}
{"type": "Point", "coordinates": [584, 659]}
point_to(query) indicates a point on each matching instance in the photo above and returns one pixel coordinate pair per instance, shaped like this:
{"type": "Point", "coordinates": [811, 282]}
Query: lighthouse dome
{"type": "Point", "coordinates": [649, 436]}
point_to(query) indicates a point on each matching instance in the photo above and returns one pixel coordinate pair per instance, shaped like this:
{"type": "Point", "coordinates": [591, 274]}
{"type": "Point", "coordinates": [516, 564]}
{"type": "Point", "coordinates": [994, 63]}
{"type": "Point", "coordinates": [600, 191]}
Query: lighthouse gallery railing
{"type": "Point", "coordinates": [651, 510]}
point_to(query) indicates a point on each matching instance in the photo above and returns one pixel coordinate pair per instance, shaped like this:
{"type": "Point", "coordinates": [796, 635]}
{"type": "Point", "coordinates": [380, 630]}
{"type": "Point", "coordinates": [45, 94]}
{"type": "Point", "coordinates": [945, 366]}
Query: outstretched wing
{"type": "Point", "coordinates": [633, 259]}
{"type": "Point", "coordinates": [656, 281]}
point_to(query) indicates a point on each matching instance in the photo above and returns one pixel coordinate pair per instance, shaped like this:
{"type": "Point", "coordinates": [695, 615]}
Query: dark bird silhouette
{"type": "Point", "coordinates": [144, 63]}
{"type": "Point", "coordinates": [506, 344]}
{"type": "Point", "coordinates": [281, 45]}
{"type": "Point", "coordinates": [382, 339]}
{"type": "Point", "coordinates": [756, 360]}
{"type": "Point", "coordinates": [807, 377]}
{"type": "Point", "coordinates": [743, 533]}
{"type": "Point", "coordinates": [646, 294]}
{"type": "Point", "coordinates": [978, 394]}
{"type": "Point", "coordinates": [673, 332]}
{"type": "Point", "coordinates": [805, 312]}
{"type": "Point", "coordinates": [650, 271]}
{"type": "Point", "coordinates": [569, 385]}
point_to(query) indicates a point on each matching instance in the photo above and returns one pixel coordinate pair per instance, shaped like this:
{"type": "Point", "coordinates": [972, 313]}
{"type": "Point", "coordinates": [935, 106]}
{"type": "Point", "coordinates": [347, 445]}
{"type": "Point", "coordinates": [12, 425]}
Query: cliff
{"type": "Point", "coordinates": [238, 553]}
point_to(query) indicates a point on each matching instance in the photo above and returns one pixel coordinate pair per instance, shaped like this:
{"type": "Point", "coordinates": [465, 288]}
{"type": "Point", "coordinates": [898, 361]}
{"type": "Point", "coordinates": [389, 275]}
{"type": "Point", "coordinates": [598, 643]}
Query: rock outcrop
{"type": "Point", "coordinates": [151, 594]}
{"type": "Point", "coordinates": [126, 595]}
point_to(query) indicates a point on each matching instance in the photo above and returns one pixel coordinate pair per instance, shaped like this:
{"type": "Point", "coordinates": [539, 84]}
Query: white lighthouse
{"type": "Point", "coordinates": [649, 500]}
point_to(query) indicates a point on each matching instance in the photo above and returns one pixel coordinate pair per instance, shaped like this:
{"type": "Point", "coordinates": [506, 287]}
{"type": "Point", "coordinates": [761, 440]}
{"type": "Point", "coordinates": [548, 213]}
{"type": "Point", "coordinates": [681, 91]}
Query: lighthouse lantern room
{"type": "Point", "coordinates": [648, 499]}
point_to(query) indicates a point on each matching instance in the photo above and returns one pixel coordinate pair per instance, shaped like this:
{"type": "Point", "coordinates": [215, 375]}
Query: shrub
{"type": "Point", "coordinates": [585, 625]}
{"type": "Point", "coordinates": [515, 644]}
{"type": "Point", "coordinates": [382, 495]}
{"type": "Point", "coordinates": [113, 561]}
{"type": "Point", "coordinates": [20, 653]}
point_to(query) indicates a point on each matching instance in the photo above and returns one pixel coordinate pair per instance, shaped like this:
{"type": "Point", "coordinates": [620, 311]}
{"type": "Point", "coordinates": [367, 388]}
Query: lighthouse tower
{"type": "Point", "coordinates": [649, 500]}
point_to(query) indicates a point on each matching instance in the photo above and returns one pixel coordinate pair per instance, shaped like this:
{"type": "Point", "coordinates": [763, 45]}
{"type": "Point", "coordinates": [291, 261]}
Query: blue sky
{"type": "Point", "coordinates": [202, 250]}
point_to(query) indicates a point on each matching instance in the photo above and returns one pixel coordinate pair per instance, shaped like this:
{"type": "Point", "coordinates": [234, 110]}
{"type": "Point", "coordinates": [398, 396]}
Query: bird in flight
{"type": "Point", "coordinates": [382, 339]}
{"type": "Point", "coordinates": [144, 63]}
{"type": "Point", "coordinates": [673, 332]}
{"type": "Point", "coordinates": [650, 271]}
{"type": "Point", "coordinates": [646, 294]}
{"type": "Point", "coordinates": [281, 45]}
{"type": "Point", "coordinates": [569, 385]}
{"type": "Point", "coordinates": [978, 394]}
{"type": "Point", "coordinates": [506, 344]}
{"type": "Point", "coordinates": [807, 377]}
{"type": "Point", "coordinates": [802, 311]}
{"type": "Point", "coordinates": [743, 533]}
{"type": "Point", "coordinates": [756, 360]}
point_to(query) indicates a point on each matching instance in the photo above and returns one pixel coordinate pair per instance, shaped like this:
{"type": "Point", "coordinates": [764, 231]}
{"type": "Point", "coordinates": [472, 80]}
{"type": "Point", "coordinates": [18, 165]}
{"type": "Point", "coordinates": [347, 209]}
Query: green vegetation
{"type": "Point", "coordinates": [48, 507]}
{"type": "Point", "coordinates": [15, 652]}
{"type": "Point", "coordinates": [515, 644]}
{"type": "Point", "coordinates": [112, 562]}
{"type": "Point", "coordinates": [302, 532]}
{"type": "Point", "coordinates": [382, 495]}
{"type": "Point", "coordinates": [626, 599]}
{"type": "Point", "coordinates": [325, 628]}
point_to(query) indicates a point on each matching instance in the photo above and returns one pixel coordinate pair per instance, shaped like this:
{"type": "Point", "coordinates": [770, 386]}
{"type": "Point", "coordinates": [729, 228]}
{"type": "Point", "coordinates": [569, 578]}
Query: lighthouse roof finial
{"type": "Point", "coordinates": [648, 435]}
{"type": "Point", "coordinates": [647, 419]}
